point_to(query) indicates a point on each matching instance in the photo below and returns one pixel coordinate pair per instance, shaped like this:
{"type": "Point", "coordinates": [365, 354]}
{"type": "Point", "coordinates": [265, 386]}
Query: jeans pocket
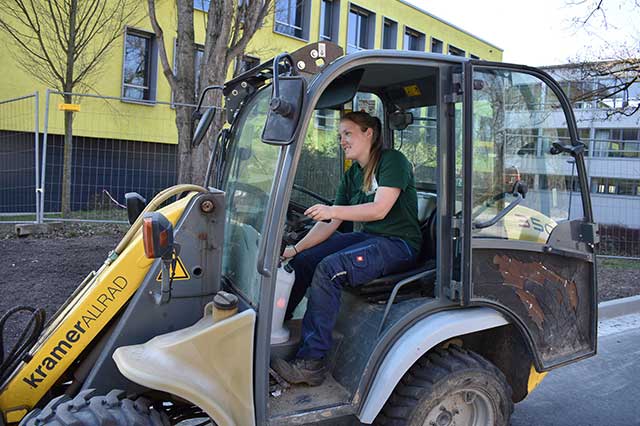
{"type": "Point", "coordinates": [363, 264]}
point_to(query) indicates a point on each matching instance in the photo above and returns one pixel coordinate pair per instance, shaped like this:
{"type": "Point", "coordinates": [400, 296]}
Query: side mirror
{"type": "Point", "coordinates": [157, 235]}
{"type": "Point", "coordinates": [203, 125]}
{"type": "Point", "coordinates": [400, 120]}
{"type": "Point", "coordinates": [284, 110]}
{"type": "Point", "coordinates": [135, 205]}
{"type": "Point", "coordinates": [520, 188]}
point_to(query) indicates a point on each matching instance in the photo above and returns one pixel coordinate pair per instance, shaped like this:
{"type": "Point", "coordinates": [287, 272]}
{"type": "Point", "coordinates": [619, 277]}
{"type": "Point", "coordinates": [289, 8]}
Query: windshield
{"type": "Point", "coordinates": [249, 172]}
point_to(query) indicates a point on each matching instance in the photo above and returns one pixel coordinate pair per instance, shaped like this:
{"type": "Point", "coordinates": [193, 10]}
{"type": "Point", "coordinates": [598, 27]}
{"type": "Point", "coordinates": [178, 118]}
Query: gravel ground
{"type": "Point", "coordinates": [42, 271]}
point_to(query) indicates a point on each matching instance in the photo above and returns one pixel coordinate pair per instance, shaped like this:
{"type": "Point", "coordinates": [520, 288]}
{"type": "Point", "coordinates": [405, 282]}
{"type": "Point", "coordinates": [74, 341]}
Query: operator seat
{"type": "Point", "coordinates": [380, 287]}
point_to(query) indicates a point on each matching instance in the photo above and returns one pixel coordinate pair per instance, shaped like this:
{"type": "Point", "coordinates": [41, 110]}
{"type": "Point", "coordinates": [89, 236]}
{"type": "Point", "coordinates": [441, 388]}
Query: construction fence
{"type": "Point", "coordinates": [120, 146]}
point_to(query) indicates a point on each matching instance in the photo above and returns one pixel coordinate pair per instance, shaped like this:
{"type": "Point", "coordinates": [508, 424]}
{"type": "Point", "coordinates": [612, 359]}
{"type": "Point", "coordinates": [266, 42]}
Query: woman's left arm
{"type": "Point", "coordinates": [368, 212]}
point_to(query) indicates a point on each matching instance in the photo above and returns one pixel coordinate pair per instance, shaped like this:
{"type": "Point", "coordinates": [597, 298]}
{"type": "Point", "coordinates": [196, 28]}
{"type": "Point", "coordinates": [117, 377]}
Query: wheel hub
{"type": "Point", "coordinates": [465, 407]}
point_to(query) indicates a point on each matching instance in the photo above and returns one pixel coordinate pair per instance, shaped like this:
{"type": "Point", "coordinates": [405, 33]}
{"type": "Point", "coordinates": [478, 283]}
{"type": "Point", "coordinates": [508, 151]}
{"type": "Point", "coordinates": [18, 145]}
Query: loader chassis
{"type": "Point", "coordinates": [510, 305]}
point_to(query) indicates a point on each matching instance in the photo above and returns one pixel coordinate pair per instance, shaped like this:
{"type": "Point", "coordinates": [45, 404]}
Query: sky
{"type": "Point", "coordinates": [541, 32]}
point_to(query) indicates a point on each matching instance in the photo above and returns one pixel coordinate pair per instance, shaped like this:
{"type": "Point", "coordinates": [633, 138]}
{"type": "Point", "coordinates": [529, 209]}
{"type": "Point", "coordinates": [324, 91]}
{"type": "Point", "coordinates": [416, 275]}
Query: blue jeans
{"type": "Point", "coordinates": [350, 259]}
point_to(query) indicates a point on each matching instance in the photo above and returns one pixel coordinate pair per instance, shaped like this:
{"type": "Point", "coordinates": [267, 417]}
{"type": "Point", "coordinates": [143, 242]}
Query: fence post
{"type": "Point", "coordinates": [44, 152]}
{"type": "Point", "coordinates": [36, 131]}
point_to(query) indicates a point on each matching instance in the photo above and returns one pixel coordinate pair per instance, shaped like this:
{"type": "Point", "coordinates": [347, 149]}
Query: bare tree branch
{"type": "Point", "coordinates": [164, 59]}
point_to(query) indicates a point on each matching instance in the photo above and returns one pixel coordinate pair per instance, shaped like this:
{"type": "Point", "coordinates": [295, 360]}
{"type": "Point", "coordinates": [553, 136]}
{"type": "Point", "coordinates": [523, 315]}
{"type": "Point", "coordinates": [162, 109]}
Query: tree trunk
{"type": "Point", "coordinates": [183, 123]}
{"type": "Point", "coordinates": [185, 82]}
{"type": "Point", "coordinates": [66, 160]}
{"type": "Point", "coordinates": [68, 115]}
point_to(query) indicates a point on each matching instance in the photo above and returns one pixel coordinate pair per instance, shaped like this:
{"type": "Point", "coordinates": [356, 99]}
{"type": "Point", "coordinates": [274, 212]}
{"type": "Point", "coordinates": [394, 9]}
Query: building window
{"type": "Point", "coordinates": [608, 185]}
{"type": "Point", "coordinates": [292, 18]}
{"type": "Point", "coordinates": [413, 40]}
{"type": "Point", "coordinates": [139, 66]}
{"type": "Point", "coordinates": [201, 5]}
{"type": "Point", "coordinates": [456, 52]}
{"type": "Point", "coordinates": [436, 45]}
{"type": "Point", "coordinates": [617, 143]}
{"type": "Point", "coordinates": [389, 34]}
{"type": "Point", "coordinates": [245, 64]}
{"type": "Point", "coordinates": [329, 18]}
{"type": "Point", "coordinates": [360, 34]}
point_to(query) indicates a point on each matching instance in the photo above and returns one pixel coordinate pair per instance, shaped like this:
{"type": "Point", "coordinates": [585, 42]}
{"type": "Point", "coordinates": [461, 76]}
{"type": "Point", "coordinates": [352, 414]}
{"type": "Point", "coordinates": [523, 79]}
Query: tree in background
{"type": "Point", "coordinates": [62, 43]}
{"type": "Point", "coordinates": [615, 67]}
{"type": "Point", "coordinates": [230, 25]}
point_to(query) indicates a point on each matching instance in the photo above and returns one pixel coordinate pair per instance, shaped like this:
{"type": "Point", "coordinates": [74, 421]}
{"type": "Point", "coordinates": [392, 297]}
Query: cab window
{"type": "Point", "coordinates": [418, 142]}
{"type": "Point", "coordinates": [516, 119]}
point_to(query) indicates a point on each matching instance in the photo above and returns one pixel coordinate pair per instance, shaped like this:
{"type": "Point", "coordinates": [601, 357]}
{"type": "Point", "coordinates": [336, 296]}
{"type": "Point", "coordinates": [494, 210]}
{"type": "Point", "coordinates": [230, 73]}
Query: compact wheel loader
{"type": "Point", "coordinates": [183, 317]}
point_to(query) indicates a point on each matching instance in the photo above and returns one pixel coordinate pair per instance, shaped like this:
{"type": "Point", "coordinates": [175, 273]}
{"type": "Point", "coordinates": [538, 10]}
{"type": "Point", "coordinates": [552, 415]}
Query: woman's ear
{"type": "Point", "coordinates": [369, 132]}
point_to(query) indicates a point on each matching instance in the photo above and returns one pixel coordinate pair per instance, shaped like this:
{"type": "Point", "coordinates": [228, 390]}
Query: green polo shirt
{"type": "Point", "coordinates": [394, 170]}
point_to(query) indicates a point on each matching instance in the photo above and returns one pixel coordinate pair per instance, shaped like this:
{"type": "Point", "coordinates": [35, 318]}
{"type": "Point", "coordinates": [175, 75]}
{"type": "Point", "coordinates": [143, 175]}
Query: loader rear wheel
{"type": "Point", "coordinates": [450, 386]}
{"type": "Point", "coordinates": [84, 410]}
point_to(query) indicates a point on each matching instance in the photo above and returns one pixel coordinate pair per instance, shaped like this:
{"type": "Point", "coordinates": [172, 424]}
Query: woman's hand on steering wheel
{"type": "Point", "coordinates": [320, 212]}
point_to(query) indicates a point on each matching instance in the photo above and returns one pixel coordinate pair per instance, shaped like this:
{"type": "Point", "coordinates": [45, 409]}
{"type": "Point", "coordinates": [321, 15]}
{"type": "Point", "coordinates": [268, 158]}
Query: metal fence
{"type": "Point", "coordinates": [19, 159]}
{"type": "Point", "coordinates": [121, 146]}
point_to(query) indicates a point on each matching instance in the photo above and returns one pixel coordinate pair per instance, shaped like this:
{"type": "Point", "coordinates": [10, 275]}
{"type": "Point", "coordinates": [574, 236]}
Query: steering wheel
{"type": "Point", "coordinates": [312, 194]}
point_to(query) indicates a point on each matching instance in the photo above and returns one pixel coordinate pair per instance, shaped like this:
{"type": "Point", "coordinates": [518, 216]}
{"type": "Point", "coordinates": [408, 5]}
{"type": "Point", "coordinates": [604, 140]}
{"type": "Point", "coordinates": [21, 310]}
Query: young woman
{"type": "Point", "coordinates": [377, 190]}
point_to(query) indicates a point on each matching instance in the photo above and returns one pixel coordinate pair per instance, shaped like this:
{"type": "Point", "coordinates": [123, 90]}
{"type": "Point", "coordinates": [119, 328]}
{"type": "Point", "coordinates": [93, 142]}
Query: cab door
{"type": "Point", "coordinates": [528, 226]}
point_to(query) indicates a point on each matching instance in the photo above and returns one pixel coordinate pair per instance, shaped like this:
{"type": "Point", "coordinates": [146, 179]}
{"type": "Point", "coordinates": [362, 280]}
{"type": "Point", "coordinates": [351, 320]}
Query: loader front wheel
{"type": "Point", "coordinates": [87, 410]}
{"type": "Point", "coordinates": [449, 387]}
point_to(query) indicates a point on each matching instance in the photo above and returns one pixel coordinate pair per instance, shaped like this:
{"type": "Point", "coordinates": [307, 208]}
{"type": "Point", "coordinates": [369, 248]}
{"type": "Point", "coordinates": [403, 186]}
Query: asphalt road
{"type": "Point", "coordinates": [603, 390]}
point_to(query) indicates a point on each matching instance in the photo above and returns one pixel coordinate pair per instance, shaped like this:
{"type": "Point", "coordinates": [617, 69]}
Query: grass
{"type": "Point", "coordinates": [619, 264]}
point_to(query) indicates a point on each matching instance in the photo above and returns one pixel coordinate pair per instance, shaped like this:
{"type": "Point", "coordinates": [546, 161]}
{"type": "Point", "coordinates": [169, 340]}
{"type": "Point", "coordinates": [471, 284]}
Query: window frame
{"type": "Point", "coordinates": [304, 20]}
{"type": "Point", "coordinates": [151, 71]}
{"type": "Point", "coordinates": [334, 21]}
{"type": "Point", "coordinates": [394, 30]}
{"type": "Point", "coordinates": [419, 37]}
{"type": "Point", "coordinates": [454, 47]}
{"type": "Point", "coordinates": [370, 26]}
{"type": "Point", "coordinates": [433, 39]}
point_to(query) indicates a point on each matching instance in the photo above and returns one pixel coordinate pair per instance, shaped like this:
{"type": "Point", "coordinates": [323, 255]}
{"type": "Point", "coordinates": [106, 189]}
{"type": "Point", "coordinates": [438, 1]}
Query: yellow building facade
{"type": "Point", "coordinates": [147, 115]}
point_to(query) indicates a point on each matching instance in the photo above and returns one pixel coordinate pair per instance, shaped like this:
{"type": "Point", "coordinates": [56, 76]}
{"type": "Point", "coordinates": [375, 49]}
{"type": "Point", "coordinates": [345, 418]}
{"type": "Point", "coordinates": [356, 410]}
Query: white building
{"type": "Point", "coordinates": [613, 142]}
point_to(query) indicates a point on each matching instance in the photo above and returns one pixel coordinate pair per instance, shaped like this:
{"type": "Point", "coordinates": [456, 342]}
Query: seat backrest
{"type": "Point", "coordinates": [427, 202]}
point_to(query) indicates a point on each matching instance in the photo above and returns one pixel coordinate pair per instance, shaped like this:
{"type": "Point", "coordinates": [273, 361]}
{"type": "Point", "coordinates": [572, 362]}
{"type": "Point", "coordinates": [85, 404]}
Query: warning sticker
{"type": "Point", "coordinates": [180, 272]}
{"type": "Point", "coordinates": [367, 105]}
{"type": "Point", "coordinates": [412, 90]}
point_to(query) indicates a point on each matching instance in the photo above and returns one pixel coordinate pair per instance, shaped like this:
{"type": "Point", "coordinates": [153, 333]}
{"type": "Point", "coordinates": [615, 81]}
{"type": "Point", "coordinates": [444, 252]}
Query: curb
{"type": "Point", "coordinates": [618, 307]}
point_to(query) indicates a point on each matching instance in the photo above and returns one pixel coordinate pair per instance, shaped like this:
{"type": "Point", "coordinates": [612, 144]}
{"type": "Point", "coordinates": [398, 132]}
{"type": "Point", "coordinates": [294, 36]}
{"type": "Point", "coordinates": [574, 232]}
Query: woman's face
{"type": "Point", "coordinates": [355, 143]}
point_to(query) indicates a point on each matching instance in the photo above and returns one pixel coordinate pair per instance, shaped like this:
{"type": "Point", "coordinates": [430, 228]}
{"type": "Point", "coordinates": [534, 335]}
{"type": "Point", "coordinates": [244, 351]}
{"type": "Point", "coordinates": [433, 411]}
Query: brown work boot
{"type": "Point", "coordinates": [309, 371]}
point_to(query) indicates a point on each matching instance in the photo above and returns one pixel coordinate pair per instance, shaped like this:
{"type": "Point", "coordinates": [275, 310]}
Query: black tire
{"type": "Point", "coordinates": [83, 410]}
{"type": "Point", "coordinates": [439, 381]}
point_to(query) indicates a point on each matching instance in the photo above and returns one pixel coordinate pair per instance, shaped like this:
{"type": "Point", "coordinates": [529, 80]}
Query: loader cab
{"type": "Point", "coordinates": [479, 135]}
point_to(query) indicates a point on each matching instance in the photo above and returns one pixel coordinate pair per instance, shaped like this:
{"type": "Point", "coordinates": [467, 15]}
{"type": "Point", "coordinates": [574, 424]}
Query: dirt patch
{"type": "Point", "coordinates": [42, 271]}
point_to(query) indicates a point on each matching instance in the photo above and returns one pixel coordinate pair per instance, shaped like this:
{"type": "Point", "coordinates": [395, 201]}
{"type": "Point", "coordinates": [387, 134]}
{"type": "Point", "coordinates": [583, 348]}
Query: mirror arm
{"type": "Point", "coordinates": [277, 104]}
{"type": "Point", "coordinates": [197, 114]}
{"type": "Point", "coordinates": [500, 215]}
{"type": "Point", "coordinates": [573, 150]}
{"type": "Point", "coordinates": [222, 136]}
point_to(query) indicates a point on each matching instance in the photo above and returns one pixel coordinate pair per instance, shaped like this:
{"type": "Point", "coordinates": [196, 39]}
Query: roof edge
{"type": "Point", "coordinates": [419, 9]}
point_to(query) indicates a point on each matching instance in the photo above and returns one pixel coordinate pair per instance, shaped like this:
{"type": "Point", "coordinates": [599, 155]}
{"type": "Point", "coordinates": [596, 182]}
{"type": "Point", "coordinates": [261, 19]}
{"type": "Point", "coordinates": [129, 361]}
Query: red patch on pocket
{"type": "Point", "coordinates": [360, 258]}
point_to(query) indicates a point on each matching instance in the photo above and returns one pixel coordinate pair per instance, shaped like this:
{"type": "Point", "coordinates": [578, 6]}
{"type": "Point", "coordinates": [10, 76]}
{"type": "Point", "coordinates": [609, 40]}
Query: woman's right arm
{"type": "Point", "coordinates": [319, 233]}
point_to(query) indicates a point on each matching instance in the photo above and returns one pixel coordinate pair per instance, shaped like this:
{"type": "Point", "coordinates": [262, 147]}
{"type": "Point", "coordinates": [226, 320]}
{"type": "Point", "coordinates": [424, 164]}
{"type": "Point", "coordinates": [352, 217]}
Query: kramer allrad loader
{"type": "Point", "coordinates": [182, 319]}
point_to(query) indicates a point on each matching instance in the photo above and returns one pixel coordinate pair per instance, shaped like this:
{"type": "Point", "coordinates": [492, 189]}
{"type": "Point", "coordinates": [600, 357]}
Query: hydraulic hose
{"type": "Point", "coordinates": [160, 198]}
{"type": "Point", "coordinates": [25, 342]}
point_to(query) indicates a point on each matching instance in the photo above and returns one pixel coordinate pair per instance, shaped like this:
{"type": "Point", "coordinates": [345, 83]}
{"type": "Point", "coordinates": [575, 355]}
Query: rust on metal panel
{"type": "Point", "coordinates": [549, 293]}
{"type": "Point", "coordinates": [517, 274]}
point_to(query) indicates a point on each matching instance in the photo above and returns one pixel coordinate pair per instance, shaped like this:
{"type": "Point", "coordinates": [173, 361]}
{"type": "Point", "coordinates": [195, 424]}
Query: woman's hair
{"type": "Point", "coordinates": [366, 121]}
